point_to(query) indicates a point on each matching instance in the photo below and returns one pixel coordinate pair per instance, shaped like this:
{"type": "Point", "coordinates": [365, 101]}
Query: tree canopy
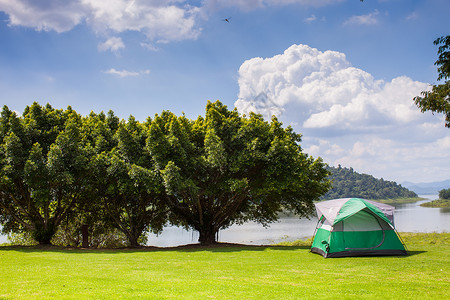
{"type": "Point", "coordinates": [128, 188]}
{"type": "Point", "coordinates": [438, 99]}
{"type": "Point", "coordinates": [444, 194]}
{"type": "Point", "coordinates": [225, 169]}
{"type": "Point", "coordinates": [43, 169]}
{"type": "Point", "coordinates": [205, 174]}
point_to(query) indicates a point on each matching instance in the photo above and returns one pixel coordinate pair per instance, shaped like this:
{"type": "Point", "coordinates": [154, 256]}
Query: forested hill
{"type": "Point", "coordinates": [348, 183]}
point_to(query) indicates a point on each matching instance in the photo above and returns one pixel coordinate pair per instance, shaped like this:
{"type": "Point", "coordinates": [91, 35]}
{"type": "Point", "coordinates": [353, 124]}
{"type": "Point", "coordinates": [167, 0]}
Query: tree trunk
{"type": "Point", "coordinates": [133, 242]}
{"type": "Point", "coordinates": [207, 236]}
{"type": "Point", "coordinates": [85, 234]}
{"type": "Point", "coordinates": [132, 238]}
{"type": "Point", "coordinates": [43, 233]}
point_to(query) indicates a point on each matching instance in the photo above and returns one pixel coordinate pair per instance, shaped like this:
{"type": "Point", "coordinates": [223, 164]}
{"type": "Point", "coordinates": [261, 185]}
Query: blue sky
{"type": "Point", "coordinates": [342, 73]}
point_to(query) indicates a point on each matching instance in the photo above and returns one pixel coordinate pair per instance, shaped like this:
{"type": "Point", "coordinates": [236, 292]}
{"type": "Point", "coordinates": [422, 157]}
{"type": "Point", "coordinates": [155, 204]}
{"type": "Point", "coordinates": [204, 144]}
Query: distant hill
{"type": "Point", "coordinates": [427, 188]}
{"type": "Point", "coordinates": [348, 183]}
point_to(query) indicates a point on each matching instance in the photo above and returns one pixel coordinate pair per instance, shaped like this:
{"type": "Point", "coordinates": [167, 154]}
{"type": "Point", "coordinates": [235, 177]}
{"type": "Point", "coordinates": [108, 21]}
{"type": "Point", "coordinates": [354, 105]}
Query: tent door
{"type": "Point", "coordinates": [362, 231]}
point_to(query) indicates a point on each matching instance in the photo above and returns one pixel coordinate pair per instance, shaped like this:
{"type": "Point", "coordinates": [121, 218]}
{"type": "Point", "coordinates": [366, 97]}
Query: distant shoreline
{"type": "Point", "coordinates": [440, 203]}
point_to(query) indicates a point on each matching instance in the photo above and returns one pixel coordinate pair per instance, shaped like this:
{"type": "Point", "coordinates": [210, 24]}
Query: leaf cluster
{"type": "Point", "coordinates": [438, 98]}
{"type": "Point", "coordinates": [444, 194]}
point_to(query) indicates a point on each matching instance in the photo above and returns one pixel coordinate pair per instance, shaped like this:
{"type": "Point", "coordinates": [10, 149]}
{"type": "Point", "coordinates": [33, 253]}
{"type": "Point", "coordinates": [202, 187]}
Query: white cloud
{"type": "Point", "coordinates": [125, 73]}
{"type": "Point", "coordinates": [149, 46]}
{"type": "Point", "coordinates": [167, 20]}
{"type": "Point", "coordinates": [44, 15]}
{"type": "Point", "coordinates": [114, 44]}
{"type": "Point", "coordinates": [369, 19]}
{"type": "Point", "coordinates": [158, 20]}
{"type": "Point", "coordinates": [346, 115]}
{"type": "Point", "coordinates": [311, 19]}
{"type": "Point", "coordinates": [392, 159]}
{"type": "Point", "coordinates": [325, 91]}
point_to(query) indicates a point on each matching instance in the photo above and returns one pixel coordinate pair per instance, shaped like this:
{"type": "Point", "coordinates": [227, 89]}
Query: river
{"type": "Point", "coordinates": [410, 217]}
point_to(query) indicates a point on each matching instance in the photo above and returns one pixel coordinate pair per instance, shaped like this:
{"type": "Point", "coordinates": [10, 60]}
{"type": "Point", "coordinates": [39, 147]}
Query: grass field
{"type": "Point", "coordinates": [225, 272]}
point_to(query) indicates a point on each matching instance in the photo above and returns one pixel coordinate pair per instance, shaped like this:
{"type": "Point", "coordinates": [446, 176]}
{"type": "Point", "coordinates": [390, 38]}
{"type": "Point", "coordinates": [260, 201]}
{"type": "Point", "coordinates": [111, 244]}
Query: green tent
{"type": "Point", "coordinates": [355, 227]}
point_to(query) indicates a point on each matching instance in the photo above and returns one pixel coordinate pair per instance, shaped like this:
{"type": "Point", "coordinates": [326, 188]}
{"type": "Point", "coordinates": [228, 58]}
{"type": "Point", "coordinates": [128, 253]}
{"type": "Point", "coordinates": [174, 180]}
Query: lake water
{"type": "Point", "coordinates": [409, 217]}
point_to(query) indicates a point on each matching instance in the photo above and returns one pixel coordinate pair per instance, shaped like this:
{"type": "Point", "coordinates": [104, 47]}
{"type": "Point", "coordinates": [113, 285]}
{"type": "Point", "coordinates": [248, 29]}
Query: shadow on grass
{"type": "Point", "coordinates": [412, 253]}
{"type": "Point", "coordinates": [218, 247]}
{"type": "Point", "coordinates": [228, 247]}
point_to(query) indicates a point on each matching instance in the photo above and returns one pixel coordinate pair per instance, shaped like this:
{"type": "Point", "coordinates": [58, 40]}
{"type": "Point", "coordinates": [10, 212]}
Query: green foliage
{"type": "Point", "coordinates": [347, 183]}
{"type": "Point", "coordinates": [444, 194]}
{"type": "Point", "coordinates": [441, 203]}
{"type": "Point", "coordinates": [444, 57]}
{"type": "Point", "coordinates": [21, 238]}
{"type": "Point", "coordinates": [59, 171]}
{"type": "Point", "coordinates": [100, 236]}
{"type": "Point", "coordinates": [42, 167]}
{"type": "Point", "coordinates": [56, 165]}
{"type": "Point", "coordinates": [226, 169]}
{"type": "Point", "coordinates": [128, 190]}
{"type": "Point", "coordinates": [438, 99]}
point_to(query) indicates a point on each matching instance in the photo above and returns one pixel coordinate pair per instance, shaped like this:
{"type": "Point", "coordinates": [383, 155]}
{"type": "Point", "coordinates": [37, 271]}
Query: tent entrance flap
{"type": "Point", "coordinates": [362, 231]}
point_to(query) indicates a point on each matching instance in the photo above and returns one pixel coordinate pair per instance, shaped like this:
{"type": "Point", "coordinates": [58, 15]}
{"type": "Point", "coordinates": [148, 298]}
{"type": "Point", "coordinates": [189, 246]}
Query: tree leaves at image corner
{"type": "Point", "coordinates": [437, 100]}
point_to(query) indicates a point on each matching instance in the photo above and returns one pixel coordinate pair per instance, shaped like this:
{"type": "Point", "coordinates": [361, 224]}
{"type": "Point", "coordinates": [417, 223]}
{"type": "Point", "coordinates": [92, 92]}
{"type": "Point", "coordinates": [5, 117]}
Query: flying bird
{"type": "Point", "coordinates": [227, 20]}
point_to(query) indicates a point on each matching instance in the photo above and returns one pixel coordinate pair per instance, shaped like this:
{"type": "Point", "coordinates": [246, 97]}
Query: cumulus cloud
{"type": "Point", "coordinates": [168, 20]}
{"type": "Point", "coordinates": [113, 44]}
{"type": "Point", "coordinates": [346, 115]}
{"type": "Point", "coordinates": [156, 19]}
{"type": "Point", "coordinates": [44, 15]}
{"type": "Point", "coordinates": [125, 73]}
{"type": "Point", "coordinates": [322, 90]}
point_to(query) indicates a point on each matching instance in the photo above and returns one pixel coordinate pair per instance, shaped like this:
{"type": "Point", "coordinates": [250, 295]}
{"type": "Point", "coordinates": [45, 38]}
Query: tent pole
{"type": "Point", "coordinates": [315, 230]}
{"type": "Point", "coordinates": [401, 240]}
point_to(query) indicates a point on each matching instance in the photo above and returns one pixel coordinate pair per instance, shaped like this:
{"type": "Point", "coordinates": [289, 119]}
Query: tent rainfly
{"type": "Point", "coordinates": [355, 227]}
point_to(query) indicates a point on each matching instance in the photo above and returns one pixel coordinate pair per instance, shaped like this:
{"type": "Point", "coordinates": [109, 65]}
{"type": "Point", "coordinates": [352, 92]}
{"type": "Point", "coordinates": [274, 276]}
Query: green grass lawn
{"type": "Point", "coordinates": [224, 272]}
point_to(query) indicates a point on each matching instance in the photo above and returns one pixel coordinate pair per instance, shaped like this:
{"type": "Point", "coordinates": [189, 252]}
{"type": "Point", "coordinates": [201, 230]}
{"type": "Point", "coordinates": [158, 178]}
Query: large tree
{"type": "Point", "coordinates": [42, 169]}
{"type": "Point", "coordinates": [438, 99]}
{"type": "Point", "coordinates": [226, 169]}
{"type": "Point", "coordinates": [129, 190]}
